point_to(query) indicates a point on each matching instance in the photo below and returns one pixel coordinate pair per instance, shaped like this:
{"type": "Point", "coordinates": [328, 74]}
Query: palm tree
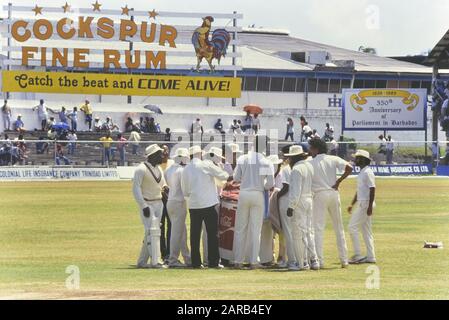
{"type": "Point", "coordinates": [368, 50]}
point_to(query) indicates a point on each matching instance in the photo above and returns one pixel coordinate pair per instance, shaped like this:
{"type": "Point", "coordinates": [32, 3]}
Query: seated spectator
{"type": "Point", "coordinates": [129, 125]}
{"type": "Point", "coordinates": [50, 123]}
{"type": "Point", "coordinates": [42, 146]}
{"type": "Point", "coordinates": [153, 127]}
{"type": "Point", "coordinates": [314, 135]}
{"type": "Point", "coordinates": [142, 126]}
{"type": "Point", "coordinates": [7, 142]}
{"type": "Point", "coordinates": [97, 125]}
{"type": "Point", "coordinates": [167, 134]}
{"type": "Point", "coordinates": [21, 149]}
{"type": "Point", "coordinates": [59, 156]}
{"type": "Point", "coordinates": [134, 139]}
{"type": "Point", "coordinates": [51, 134]}
{"type": "Point", "coordinates": [72, 137]}
{"type": "Point", "coordinates": [219, 126]}
{"type": "Point", "coordinates": [108, 125]}
{"type": "Point", "coordinates": [18, 125]}
{"type": "Point", "coordinates": [235, 127]}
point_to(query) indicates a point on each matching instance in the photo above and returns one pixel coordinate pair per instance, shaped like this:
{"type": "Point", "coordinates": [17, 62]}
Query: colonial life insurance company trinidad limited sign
{"type": "Point", "coordinates": [31, 43]}
{"type": "Point", "coordinates": [385, 109]}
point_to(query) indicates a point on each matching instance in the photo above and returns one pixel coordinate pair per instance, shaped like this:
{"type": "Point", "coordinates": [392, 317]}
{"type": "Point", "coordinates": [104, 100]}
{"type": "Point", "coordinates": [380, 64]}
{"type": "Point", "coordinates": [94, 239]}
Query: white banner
{"type": "Point", "coordinates": [47, 173]}
{"type": "Point", "coordinates": [384, 109]}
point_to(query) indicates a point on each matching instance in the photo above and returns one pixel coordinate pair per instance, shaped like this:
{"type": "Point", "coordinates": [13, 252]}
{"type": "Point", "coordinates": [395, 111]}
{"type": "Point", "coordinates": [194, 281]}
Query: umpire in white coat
{"type": "Point", "coordinates": [326, 198]}
{"type": "Point", "coordinates": [198, 185]}
{"type": "Point", "coordinates": [255, 173]}
{"type": "Point", "coordinates": [148, 184]}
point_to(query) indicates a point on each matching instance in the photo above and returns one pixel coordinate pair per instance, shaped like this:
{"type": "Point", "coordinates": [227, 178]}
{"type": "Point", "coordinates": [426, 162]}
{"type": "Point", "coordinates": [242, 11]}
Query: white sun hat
{"type": "Point", "coordinates": [152, 150]}
{"type": "Point", "coordinates": [274, 159]}
{"type": "Point", "coordinates": [295, 151]}
{"type": "Point", "coordinates": [217, 152]}
{"type": "Point", "coordinates": [194, 150]}
{"type": "Point", "coordinates": [362, 153]}
{"type": "Point", "coordinates": [234, 147]}
{"type": "Point", "coordinates": [182, 153]}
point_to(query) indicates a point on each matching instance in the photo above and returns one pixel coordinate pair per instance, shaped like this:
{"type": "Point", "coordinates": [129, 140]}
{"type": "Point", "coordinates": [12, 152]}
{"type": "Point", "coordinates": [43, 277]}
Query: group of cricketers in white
{"type": "Point", "coordinates": [304, 185]}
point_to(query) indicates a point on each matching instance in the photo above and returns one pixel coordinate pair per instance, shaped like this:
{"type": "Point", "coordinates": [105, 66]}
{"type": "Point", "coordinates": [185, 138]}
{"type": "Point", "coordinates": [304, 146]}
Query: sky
{"type": "Point", "coordinates": [393, 27]}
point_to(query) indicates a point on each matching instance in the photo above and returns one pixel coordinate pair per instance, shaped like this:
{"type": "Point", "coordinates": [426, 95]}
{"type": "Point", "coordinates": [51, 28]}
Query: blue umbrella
{"type": "Point", "coordinates": [153, 108]}
{"type": "Point", "coordinates": [61, 126]}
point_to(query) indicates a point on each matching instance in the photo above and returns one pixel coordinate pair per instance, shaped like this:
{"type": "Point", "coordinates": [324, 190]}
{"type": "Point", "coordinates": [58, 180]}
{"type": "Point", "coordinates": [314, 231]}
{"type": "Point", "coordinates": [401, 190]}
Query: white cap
{"type": "Point", "coordinates": [362, 153]}
{"type": "Point", "coordinates": [152, 150]}
{"type": "Point", "coordinates": [294, 151]}
{"type": "Point", "coordinates": [182, 152]}
{"type": "Point", "coordinates": [217, 152]}
{"type": "Point", "coordinates": [194, 150]}
{"type": "Point", "coordinates": [274, 159]}
{"type": "Point", "coordinates": [234, 147]}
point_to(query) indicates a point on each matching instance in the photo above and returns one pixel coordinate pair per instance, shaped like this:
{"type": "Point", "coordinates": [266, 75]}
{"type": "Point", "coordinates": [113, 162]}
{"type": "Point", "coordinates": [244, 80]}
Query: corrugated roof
{"type": "Point", "coordinates": [440, 54]}
{"type": "Point", "coordinates": [363, 61]}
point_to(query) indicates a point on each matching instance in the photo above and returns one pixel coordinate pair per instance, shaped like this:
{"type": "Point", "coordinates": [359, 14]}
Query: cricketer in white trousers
{"type": "Point", "coordinates": [177, 212]}
{"type": "Point", "coordinates": [300, 200]}
{"type": "Point", "coordinates": [249, 220]}
{"type": "Point", "coordinates": [323, 202]}
{"type": "Point", "coordinates": [286, 225]}
{"type": "Point", "coordinates": [302, 232]}
{"type": "Point", "coordinates": [151, 241]}
{"type": "Point", "coordinates": [360, 219]}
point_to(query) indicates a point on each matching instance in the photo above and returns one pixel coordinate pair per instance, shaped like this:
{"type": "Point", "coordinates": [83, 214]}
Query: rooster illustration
{"type": "Point", "coordinates": [215, 48]}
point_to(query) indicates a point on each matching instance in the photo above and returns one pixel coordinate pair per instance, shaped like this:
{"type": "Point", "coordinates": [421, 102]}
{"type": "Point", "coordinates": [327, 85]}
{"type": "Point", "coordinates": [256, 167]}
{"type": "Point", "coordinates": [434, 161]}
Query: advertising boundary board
{"type": "Point", "coordinates": [443, 171]}
{"type": "Point", "coordinates": [59, 174]}
{"type": "Point", "coordinates": [399, 170]}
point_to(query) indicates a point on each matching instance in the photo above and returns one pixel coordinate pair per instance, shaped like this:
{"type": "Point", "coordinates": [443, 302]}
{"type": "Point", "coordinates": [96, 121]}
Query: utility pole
{"type": "Point", "coordinates": [234, 50]}
{"type": "Point", "coordinates": [131, 47]}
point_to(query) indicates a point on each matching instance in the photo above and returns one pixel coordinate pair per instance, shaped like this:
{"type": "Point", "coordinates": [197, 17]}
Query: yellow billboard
{"type": "Point", "coordinates": [121, 84]}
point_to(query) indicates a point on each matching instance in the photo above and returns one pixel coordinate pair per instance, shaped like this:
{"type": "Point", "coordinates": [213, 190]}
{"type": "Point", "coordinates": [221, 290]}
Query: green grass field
{"type": "Point", "coordinates": [45, 227]}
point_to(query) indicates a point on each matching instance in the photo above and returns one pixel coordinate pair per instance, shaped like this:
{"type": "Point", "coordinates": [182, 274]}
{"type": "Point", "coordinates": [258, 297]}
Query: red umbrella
{"type": "Point", "coordinates": [253, 109]}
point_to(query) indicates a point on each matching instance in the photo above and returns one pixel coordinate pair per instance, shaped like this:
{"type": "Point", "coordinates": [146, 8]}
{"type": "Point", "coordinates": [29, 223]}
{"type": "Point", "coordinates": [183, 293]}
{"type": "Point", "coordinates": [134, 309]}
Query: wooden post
{"type": "Point", "coordinates": [435, 114]}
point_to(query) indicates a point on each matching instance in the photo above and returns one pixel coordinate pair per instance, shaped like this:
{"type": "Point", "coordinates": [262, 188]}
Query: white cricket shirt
{"type": "Point", "coordinates": [365, 181]}
{"type": "Point", "coordinates": [173, 177]}
{"type": "Point", "coordinates": [325, 171]}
